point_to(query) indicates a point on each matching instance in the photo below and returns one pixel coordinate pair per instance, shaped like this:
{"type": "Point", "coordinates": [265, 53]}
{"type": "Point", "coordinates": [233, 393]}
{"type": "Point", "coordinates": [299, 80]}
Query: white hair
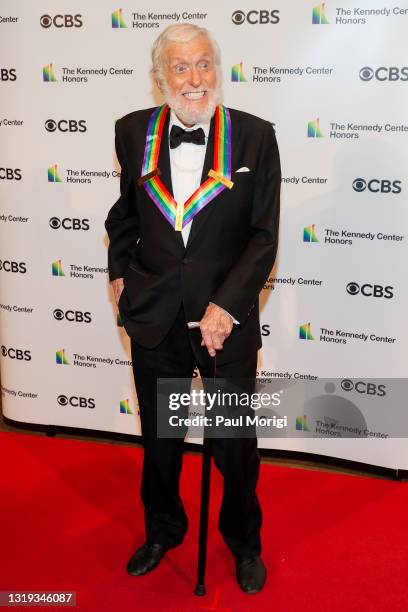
{"type": "Point", "coordinates": [181, 33]}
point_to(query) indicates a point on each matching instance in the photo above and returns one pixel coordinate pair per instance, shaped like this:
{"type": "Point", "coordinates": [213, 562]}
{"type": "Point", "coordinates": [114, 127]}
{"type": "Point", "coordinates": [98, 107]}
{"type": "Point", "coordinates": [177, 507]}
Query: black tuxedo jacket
{"type": "Point", "coordinates": [230, 250]}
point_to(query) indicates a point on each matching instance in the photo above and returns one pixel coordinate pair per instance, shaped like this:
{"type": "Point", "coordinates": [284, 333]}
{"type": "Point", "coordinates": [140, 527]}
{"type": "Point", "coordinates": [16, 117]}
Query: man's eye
{"type": "Point", "coordinates": [180, 68]}
{"type": "Point", "coordinates": [204, 65]}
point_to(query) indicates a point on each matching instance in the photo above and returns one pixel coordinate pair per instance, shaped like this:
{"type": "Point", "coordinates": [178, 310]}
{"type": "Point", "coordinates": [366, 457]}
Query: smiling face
{"type": "Point", "coordinates": [190, 80]}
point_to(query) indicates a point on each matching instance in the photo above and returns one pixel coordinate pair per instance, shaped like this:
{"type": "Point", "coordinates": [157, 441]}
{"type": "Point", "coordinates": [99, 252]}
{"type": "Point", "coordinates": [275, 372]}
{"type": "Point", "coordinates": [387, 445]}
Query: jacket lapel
{"type": "Point", "coordinates": [200, 219]}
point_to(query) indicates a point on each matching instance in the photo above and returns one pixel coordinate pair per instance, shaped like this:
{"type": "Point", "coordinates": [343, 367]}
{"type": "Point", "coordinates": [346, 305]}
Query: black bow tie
{"type": "Point", "coordinates": [178, 135]}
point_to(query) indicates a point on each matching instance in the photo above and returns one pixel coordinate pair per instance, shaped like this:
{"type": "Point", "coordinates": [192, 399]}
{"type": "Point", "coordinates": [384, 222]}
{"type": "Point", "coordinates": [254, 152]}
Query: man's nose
{"type": "Point", "coordinates": [195, 77]}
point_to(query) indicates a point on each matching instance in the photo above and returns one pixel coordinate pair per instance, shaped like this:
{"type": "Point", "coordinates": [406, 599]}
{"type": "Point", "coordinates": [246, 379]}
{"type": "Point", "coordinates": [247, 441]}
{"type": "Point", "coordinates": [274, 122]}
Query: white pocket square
{"type": "Point", "coordinates": [243, 169]}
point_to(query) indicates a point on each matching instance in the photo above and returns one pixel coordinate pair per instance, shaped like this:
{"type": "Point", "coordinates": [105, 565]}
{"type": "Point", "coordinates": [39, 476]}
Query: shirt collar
{"type": "Point", "coordinates": [174, 120]}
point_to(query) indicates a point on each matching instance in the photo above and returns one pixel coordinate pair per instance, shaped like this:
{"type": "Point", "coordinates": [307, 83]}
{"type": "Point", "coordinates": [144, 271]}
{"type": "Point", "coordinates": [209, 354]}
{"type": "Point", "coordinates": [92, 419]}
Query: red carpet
{"type": "Point", "coordinates": [71, 517]}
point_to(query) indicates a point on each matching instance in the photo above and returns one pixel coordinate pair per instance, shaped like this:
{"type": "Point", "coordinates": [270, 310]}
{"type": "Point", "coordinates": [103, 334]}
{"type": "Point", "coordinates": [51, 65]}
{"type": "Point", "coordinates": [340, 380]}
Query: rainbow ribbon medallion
{"type": "Point", "coordinates": [179, 214]}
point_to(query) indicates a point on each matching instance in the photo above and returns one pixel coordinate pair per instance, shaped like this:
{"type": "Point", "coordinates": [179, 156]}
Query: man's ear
{"type": "Point", "coordinates": [159, 85]}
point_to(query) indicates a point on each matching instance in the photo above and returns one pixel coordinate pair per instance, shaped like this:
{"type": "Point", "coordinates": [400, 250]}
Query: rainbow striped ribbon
{"type": "Point", "coordinates": [179, 214]}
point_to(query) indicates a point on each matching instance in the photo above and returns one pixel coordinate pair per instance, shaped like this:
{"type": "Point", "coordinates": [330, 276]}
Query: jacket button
{"type": "Point", "coordinates": [187, 260]}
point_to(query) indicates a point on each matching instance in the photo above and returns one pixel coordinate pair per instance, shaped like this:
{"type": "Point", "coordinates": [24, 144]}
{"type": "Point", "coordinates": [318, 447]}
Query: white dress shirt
{"type": "Point", "coordinates": [186, 165]}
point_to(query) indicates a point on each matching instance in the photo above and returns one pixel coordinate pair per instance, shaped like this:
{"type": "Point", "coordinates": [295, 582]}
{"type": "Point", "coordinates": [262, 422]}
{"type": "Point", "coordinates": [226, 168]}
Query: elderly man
{"type": "Point", "coordinates": [193, 237]}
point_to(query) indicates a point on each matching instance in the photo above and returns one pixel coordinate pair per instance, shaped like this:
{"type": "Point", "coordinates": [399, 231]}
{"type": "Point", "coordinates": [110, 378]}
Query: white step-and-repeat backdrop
{"type": "Point", "coordinates": [333, 79]}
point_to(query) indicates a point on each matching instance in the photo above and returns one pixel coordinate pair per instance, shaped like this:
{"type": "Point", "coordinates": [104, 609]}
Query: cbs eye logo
{"type": "Point", "coordinates": [46, 21]}
{"type": "Point", "coordinates": [50, 125]}
{"type": "Point", "coordinates": [384, 73]}
{"type": "Point", "coordinates": [347, 385]}
{"type": "Point", "coordinates": [61, 21]}
{"type": "Point", "coordinates": [366, 73]}
{"type": "Point", "coordinates": [73, 316]}
{"type": "Point", "coordinates": [58, 314]}
{"type": "Point", "coordinates": [65, 125]}
{"type": "Point", "coordinates": [16, 353]}
{"type": "Point", "coordinates": [364, 387]}
{"type": "Point", "coordinates": [238, 17]}
{"type": "Point", "coordinates": [369, 290]}
{"type": "Point", "coordinates": [353, 288]}
{"type": "Point", "coordinates": [76, 401]}
{"type": "Point", "coordinates": [13, 266]}
{"type": "Point", "coordinates": [359, 184]}
{"type": "Point", "coordinates": [255, 17]}
{"type": "Point", "coordinates": [69, 223]}
{"type": "Point", "coordinates": [377, 185]}
{"type": "Point", "coordinates": [55, 223]}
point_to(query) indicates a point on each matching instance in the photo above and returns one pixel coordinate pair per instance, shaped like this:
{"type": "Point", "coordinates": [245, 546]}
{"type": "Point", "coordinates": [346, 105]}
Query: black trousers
{"type": "Point", "coordinates": [237, 458]}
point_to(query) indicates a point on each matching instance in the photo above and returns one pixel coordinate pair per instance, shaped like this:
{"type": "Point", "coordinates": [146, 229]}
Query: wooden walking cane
{"type": "Point", "coordinates": [205, 500]}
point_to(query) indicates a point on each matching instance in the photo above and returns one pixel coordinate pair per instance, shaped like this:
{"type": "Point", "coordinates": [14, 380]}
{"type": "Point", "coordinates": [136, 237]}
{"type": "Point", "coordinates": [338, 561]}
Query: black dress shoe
{"type": "Point", "coordinates": [145, 559]}
{"type": "Point", "coordinates": [251, 573]}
